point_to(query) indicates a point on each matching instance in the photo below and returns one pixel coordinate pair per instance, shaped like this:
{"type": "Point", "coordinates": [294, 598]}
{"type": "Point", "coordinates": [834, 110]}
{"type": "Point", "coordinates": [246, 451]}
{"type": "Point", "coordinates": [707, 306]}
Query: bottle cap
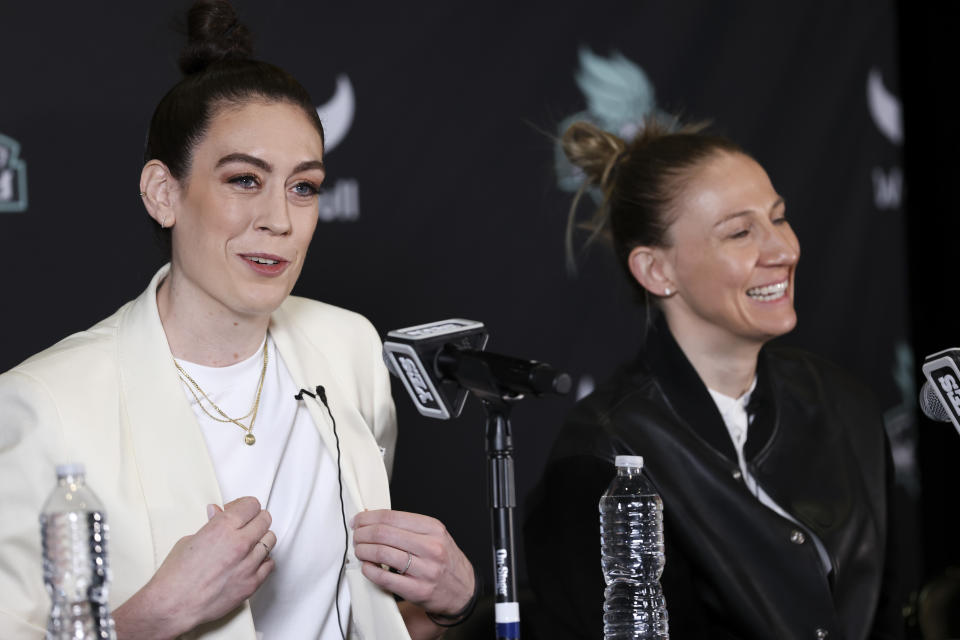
{"type": "Point", "coordinates": [70, 469]}
{"type": "Point", "coordinates": [635, 462]}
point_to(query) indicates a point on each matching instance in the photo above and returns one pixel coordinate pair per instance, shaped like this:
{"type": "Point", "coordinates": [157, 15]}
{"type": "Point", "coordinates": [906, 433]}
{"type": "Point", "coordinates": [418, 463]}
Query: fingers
{"type": "Point", "coordinates": [408, 586]}
{"type": "Point", "coordinates": [257, 527]}
{"type": "Point", "coordinates": [385, 537]}
{"type": "Point", "coordinates": [421, 535]}
{"type": "Point", "coordinates": [243, 514]}
{"type": "Point", "coordinates": [242, 510]}
{"type": "Point", "coordinates": [403, 561]}
{"type": "Point", "coordinates": [265, 545]}
{"type": "Point", "coordinates": [265, 569]}
{"type": "Point", "coordinates": [414, 522]}
{"type": "Point", "coordinates": [259, 553]}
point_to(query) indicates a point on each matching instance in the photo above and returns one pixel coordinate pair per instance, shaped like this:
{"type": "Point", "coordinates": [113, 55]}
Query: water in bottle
{"type": "Point", "coordinates": [631, 535]}
{"type": "Point", "coordinates": [75, 569]}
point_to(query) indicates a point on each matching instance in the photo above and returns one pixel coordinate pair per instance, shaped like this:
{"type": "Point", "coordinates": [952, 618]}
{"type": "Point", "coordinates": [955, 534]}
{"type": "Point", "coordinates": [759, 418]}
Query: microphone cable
{"type": "Point", "coordinates": [321, 394]}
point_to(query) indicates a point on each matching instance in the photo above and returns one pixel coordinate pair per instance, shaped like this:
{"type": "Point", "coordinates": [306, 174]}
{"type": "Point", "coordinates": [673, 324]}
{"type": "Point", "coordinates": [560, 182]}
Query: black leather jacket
{"type": "Point", "coordinates": [734, 569]}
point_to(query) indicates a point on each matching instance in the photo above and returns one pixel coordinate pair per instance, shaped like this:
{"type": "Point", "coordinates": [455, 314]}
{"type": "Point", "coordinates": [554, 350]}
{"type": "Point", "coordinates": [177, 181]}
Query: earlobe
{"type": "Point", "coordinates": [648, 268]}
{"type": "Point", "coordinates": [157, 192]}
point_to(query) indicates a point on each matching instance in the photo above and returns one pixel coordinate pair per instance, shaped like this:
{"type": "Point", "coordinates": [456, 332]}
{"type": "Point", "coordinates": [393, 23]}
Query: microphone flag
{"type": "Point", "coordinates": [943, 378]}
{"type": "Point", "coordinates": [411, 354]}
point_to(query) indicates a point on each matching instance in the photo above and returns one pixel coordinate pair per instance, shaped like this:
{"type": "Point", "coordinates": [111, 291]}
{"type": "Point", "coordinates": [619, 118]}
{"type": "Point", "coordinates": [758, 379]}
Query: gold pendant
{"type": "Point", "coordinates": [249, 438]}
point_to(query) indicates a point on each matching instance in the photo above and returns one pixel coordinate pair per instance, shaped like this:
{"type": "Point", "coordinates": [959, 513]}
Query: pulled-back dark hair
{"type": "Point", "coordinates": [640, 179]}
{"type": "Point", "coordinates": [218, 72]}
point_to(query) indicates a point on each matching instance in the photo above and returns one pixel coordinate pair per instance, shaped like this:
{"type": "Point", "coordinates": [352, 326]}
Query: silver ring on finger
{"type": "Point", "coordinates": [409, 560]}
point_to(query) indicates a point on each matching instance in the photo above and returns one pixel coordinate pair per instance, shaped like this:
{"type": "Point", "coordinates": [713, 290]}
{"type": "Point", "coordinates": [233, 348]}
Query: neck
{"type": "Point", "coordinates": [724, 365]}
{"type": "Point", "coordinates": [202, 331]}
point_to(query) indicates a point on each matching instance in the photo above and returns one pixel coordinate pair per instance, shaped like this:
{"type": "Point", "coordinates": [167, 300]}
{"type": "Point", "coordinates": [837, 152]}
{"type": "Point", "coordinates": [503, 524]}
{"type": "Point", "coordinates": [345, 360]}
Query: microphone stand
{"type": "Point", "coordinates": [503, 500]}
{"type": "Point", "coordinates": [498, 381]}
{"type": "Point", "coordinates": [477, 378]}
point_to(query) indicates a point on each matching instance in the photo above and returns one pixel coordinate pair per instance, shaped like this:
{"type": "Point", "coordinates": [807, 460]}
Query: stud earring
{"type": "Point", "coordinates": [143, 193]}
{"type": "Point", "coordinates": [667, 291]}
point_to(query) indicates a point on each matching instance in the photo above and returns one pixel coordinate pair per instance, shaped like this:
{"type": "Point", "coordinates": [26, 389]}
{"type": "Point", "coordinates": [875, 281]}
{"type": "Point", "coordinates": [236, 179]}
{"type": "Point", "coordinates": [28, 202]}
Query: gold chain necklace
{"type": "Point", "coordinates": [249, 438]}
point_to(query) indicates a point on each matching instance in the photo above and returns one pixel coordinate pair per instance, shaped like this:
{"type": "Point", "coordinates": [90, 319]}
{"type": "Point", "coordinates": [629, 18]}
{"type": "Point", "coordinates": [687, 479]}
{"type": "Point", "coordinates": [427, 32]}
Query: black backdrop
{"type": "Point", "coordinates": [443, 196]}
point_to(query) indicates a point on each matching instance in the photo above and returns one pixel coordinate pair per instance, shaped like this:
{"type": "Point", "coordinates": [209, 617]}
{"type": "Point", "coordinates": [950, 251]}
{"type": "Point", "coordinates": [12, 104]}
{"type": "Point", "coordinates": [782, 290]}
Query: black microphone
{"type": "Point", "coordinates": [440, 362]}
{"type": "Point", "coordinates": [500, 375]}
{"type": "Point", "coordinates": [940, 394]}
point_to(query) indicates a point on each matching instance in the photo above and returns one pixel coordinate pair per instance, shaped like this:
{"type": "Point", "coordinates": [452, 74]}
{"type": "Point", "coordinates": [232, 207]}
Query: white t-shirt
{"type": "Point", "coordinates": [294, 477]}
{"type": "Point", "coordinates": [734, 414]}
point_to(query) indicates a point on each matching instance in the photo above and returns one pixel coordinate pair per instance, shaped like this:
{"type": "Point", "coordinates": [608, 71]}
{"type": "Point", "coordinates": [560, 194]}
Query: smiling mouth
{"type": "Point", "coordinates": [266, 264]}
{"type": "Point", "coordinates": [768, 292]}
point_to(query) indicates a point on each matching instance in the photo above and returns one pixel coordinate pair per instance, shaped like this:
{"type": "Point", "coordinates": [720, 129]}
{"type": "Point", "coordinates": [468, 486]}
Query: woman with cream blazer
{"type": "Point", "coordinates": [111, 397]}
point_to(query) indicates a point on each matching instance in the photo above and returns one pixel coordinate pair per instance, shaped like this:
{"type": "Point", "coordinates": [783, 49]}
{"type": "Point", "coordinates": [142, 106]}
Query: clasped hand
{"type": "Point", "coordinates": [206, 575]}
{"type": "Point", "coordinates": [436, 575]}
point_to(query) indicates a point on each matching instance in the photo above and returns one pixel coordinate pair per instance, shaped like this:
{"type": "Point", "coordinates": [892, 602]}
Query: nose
{"type": "Point", "coordinates": [780, 246]}
{"type": "Point", "coordinates": [274, 216]}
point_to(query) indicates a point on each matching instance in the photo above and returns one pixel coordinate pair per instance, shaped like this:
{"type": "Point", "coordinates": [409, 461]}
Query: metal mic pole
{"type": "Point", "coordinates": [503, 499]}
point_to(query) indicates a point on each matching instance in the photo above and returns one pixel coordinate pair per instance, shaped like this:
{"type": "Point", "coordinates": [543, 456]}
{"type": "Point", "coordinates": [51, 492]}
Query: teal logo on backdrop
{"type": "Point", "coordinates": [619, 98]}
{"type": "Point", "coordinates": [13, 177]}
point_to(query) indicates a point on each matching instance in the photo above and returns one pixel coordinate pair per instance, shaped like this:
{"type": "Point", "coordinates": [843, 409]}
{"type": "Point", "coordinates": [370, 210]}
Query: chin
{"type": "Point", "coordinates": [261, 305]}
{"type": "Point", "coordinates": [782, 328]}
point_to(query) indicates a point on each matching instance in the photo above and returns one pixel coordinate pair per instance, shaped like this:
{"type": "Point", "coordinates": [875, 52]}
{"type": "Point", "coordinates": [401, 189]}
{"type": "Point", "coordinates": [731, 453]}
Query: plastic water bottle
{"type": "Point", "coordinates": [75, 569]}
{"type": "Point", "coordinates": [631, 537]}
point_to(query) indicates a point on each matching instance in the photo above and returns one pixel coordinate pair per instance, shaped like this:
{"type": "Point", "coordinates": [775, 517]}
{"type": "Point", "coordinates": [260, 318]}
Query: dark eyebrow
{"type": "Point", "coordinates": [776, 203]}
{"type": "Point", "coordinates": [243, 157]}
{"type": "Point", "coordinates": [309, 164]}
{"type": "Point", "coordinates": [266, 166]}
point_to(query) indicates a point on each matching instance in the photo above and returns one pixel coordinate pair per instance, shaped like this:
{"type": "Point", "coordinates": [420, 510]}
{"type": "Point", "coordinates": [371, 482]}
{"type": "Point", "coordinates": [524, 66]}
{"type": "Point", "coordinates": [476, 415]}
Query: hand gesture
{"type": "Point", "coordinates": [431, 571]}
{"type": "Point", "coordinates": [205, 575]}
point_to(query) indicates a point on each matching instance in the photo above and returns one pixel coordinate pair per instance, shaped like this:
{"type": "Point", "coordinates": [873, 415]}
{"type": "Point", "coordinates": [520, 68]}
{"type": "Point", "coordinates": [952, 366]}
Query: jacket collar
{"type": "Point", "coordinates": [177, 477]}
{"type": "Point", "coordinates": [686, 394]}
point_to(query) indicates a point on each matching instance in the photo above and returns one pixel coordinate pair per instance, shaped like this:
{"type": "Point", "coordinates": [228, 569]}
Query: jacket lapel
{"type": "Point", "coordinates": [176, 474]}
{"type": "Point", "coordinates": [175, 470]}
{"type": "Point", "coordinates": [684, 390]}
{"type": "Point", "coordinates": [309, 368]}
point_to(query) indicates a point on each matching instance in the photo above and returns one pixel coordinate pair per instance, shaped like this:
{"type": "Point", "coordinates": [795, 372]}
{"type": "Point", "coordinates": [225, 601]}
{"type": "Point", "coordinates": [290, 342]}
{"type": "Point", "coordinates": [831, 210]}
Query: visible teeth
{"type": "Point", "coordinates": [262, 260]}
{"type": "Point", "coordinates": [768, 292]}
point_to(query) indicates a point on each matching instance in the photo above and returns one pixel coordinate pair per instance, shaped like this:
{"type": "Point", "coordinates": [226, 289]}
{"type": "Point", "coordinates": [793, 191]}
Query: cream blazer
{"type": "Point", "coordinates": [109, 397]}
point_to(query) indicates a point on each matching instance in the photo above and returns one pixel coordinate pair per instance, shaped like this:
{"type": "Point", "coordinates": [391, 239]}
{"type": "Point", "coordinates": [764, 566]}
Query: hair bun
{"type": "Point", "coordinates": [213, 34]}
{"type": "Point", "coordinates": [592, 149]}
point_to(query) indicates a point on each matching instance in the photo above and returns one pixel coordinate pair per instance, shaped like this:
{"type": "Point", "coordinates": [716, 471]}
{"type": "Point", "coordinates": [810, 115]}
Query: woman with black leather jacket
{"type": "Point", "coordinates": [772, 463]}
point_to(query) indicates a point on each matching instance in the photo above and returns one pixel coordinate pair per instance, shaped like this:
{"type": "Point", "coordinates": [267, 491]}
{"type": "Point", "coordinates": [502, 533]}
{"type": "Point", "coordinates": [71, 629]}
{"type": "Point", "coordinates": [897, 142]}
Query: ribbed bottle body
{"type": "Point", "coordinates": [632, 558]}
{"type": "Point", "coordinates": [76, 572]}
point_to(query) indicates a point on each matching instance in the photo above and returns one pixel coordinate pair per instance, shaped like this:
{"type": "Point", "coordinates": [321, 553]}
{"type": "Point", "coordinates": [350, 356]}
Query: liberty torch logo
{"type": "Point", "coordinates": [619, 97]}
{"type": "Point", "coordinates": [13, 177]}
